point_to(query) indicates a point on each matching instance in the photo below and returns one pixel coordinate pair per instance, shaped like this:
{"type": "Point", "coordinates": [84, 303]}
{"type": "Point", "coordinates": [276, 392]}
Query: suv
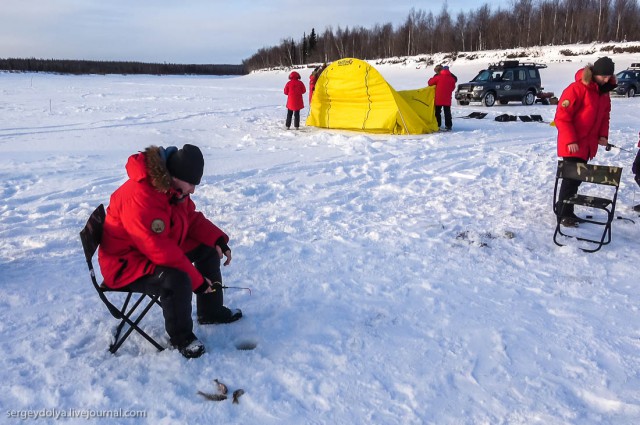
{"type": "Point", "coordinates": [628, 81]}
{"type": "Point", "coordinates": [503, 81]}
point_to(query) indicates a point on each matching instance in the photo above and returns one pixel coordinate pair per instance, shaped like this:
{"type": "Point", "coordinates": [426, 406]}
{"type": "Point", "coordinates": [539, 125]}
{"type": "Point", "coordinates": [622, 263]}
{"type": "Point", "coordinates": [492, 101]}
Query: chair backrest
{"type": "Point", "coordinates": [598, 174]}
{"type": "Point", "coordinates": [91, 235]}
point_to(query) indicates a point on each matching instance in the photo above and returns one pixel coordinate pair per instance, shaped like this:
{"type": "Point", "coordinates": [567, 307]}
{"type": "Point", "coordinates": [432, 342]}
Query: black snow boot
{"type": "Point", "coordinates": [190, 348]}
{"type": "Point", "coordinates": [210, 309]}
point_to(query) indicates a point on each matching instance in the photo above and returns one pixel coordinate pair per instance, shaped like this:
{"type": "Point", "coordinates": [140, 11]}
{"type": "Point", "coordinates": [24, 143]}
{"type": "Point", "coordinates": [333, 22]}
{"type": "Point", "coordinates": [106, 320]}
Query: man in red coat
{"type": "Point", "coordinates": [445, 83]}
{"type": "Point", "coordinates": [155, 242]}
{"type": "Point", "coordinates": [582, 120]}
{"type": "Point", "coordinates": [294, 89]}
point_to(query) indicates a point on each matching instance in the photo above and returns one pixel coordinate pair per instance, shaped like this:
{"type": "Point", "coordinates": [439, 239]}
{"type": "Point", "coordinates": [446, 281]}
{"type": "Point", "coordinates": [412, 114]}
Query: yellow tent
{"type": "Point", "coordinates": [350, 94]}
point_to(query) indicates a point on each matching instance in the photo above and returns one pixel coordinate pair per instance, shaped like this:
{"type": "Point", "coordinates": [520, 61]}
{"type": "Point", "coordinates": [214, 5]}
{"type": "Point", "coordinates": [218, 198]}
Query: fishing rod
{"type": "Point", "coordinates": [609, 146]}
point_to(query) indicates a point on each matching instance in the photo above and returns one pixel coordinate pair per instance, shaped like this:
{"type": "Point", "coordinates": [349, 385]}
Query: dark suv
{"type": "Point", "coordinates": [629, 81]}
{"type": "Point", "coordinates": [503, 82]}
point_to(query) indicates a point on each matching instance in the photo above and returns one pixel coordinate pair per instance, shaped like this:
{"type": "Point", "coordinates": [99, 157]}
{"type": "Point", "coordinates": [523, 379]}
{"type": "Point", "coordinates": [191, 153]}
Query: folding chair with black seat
{"type": "Point", "coordinates": [91, 237]}
{"type": "Point", "coordinates": [608, 180]}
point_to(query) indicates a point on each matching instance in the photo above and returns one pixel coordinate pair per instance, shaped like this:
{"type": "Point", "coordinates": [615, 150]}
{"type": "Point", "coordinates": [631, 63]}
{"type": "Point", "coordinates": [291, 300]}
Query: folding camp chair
{"type": "Point", "coordinates": [91, 236]}
{"type": "Point", "coordinates": [593, 174]}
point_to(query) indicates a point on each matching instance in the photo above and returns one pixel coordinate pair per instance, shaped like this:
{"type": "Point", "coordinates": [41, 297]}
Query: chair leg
{"type": "Point", "coordinates": [133, 325]}
{"type": "Point", "coordinates": [604, 240]}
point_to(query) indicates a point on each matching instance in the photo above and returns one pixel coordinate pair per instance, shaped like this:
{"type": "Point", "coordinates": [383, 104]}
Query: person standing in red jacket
{"type": "Point", "coordinates": [154, 241]}
{"type": "Point", "coordinates": [294, 89]}
{"type": "Point", "coordinates": [582, 119]}
{"type": "Point", "coordinates": [313, 78]}
{"type": "Point", "coordinates": [445, 83]}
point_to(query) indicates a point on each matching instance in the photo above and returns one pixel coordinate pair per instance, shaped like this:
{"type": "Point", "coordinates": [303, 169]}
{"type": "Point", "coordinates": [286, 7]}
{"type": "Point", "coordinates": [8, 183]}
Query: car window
{"type": "Point", "coordinates": [483, 76]}
{"type": "Point", "coordinates": [508, 76]}
{"type": "Point", "coordinates": [533, 74]}
{"type": "Point", "coordinates": [623, 75]}
{"type": "Point", "coordinates": [521, 75]}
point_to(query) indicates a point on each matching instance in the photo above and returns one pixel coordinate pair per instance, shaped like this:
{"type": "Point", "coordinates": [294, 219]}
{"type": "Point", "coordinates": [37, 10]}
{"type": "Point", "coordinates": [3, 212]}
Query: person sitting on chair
{"type": "Point", "coordinates": [155, 242]}
{"type": "Point", "coordinates": [582, 119]}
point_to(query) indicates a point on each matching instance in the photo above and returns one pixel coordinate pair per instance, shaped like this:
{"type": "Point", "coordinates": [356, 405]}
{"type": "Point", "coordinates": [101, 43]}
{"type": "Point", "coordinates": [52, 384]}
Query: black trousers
{"type": "Point", "coordinates": [174, 288]}
{"type": "Point", "coordinates": [296, 118]}
{"type": "Point", "coordinates": [568, 188]}
{"type": "Point", "coordinates": [448, 122]}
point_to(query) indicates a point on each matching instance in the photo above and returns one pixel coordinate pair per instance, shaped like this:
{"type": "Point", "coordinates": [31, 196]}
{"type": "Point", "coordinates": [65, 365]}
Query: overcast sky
{"type": "Point", "coordinates": [186, 31]}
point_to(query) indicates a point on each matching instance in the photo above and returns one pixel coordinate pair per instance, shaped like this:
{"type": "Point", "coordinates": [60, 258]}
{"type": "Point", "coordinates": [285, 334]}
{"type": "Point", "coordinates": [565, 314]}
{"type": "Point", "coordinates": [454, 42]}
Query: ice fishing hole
{"type": "Point", "coordinates": [246, 345]}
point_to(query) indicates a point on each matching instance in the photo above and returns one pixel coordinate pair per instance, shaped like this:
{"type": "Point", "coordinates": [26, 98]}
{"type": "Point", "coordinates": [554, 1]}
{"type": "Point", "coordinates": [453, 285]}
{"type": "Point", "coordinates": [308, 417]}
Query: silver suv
{"type": "Point", "coordinates": [504, 82]}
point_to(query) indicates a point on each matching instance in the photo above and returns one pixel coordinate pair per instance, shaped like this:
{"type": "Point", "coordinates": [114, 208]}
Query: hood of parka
{"type": "Point", "coordinates": [585, 76]}
{"type": "Point", "coordinates": [150, 165]}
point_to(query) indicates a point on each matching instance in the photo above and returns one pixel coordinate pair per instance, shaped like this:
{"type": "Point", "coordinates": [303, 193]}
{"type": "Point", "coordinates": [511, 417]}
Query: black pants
{"type": "Point", "coordinates": [448, 122]}
{"type": "Point", "coordinates": [296, 118]}
{"type": "Point", "coordinates": [568, 188]}
{"type": "Point", "coordinates": [174, 288]}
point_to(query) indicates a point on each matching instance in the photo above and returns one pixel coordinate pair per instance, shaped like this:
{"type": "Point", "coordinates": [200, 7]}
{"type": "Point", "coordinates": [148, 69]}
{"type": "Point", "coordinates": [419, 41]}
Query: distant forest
{"type": "Point", "coordinates": [528, 23]}
{"type": "Point", "coordinates": [109, 67]}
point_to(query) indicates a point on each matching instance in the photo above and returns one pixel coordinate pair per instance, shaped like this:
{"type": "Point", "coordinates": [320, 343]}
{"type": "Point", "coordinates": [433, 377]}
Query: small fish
{"type": "Point", "coordinates": [236, 396]}
{"type": "Point", "coordinates": [222, 388]}
{"type": "Point", "coordinates": [213, 397]}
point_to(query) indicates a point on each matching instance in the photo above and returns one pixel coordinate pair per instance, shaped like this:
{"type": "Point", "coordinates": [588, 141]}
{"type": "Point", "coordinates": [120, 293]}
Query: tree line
{"type": "Point", "coordinates": [114, 67]}
{"type": "Point", "coordinates": [528, 23]}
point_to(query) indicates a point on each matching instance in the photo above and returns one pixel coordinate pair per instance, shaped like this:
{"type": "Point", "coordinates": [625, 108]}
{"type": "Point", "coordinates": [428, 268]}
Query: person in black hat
{"type": "Point", "coordinates": [582, 120]}
{"type": "Point", "coordinates": [155, 242]}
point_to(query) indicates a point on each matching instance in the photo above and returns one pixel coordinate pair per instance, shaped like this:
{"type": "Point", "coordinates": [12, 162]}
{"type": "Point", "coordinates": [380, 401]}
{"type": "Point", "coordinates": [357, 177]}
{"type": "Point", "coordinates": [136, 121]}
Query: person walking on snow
{"type": "Point", "coordinates": [294, 89]}
{"type": "Point", "coordinates": [155, 242]}
{"type": "Point", "coordinates": [445, 83]}
{"type": "Point", "coordinates": [582, 120]}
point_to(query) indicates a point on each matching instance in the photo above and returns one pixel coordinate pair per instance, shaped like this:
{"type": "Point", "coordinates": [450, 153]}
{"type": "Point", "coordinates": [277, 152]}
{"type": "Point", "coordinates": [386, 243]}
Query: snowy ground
{"type": "Point", "coordinates": [395, 279]}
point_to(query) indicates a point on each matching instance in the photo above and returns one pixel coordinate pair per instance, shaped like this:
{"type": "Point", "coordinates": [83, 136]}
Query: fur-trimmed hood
{"type": "Point", "coordinates": [150, 164]}
{"type": "Point", "coordinates": [585, 76]}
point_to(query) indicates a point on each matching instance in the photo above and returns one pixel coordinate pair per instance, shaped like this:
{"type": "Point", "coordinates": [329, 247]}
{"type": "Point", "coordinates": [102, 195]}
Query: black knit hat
{"type": "Point", "coordinates": [186, 164]}
{"type": "Point", "coordinates": [604, 66]}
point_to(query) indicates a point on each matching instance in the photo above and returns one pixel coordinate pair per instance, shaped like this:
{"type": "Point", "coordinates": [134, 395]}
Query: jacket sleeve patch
{"type": "Point", "coordinates": [157, 226]}
{"type": "Point", "coordinates": [566, 103]}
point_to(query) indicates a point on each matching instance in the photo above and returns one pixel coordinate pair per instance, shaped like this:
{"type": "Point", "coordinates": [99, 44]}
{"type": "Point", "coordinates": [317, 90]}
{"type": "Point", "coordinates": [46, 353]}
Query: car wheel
{"type": "Point", "coordinates": [529, 98]}
{"type": "Point", "coordinates": [631, 92]}
{"type": "Point", "coordinates": [489, 99]}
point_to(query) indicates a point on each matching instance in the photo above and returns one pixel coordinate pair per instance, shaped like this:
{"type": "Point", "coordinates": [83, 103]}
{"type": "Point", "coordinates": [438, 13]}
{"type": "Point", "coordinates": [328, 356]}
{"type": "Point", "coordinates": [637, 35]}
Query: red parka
{"type": "Point", "coordinates": [312, 85]}
{"type": "Point", "coordinates": [294, 89]}
{"type": "Point", "coordinates": [144, 228]}
{"type": "Point", "coordinates": [445, 84]}
{"type": "Point", "coordinates": [582, 116]}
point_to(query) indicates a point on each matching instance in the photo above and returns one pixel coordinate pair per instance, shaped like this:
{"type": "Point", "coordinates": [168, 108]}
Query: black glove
{"type": "Point", "coordinates": [223, 244]}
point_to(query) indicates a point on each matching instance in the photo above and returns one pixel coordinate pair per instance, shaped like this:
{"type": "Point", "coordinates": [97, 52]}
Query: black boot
{"type": "Point", "coordinates": [210, 309]}
{"type": "Point", "coordinates": [190, 347]}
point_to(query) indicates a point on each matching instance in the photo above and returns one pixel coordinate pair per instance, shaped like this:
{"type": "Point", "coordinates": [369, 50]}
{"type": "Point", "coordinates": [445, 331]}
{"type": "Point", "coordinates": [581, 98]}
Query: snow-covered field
{"type": "Point", "coordinates": [395, 279]}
